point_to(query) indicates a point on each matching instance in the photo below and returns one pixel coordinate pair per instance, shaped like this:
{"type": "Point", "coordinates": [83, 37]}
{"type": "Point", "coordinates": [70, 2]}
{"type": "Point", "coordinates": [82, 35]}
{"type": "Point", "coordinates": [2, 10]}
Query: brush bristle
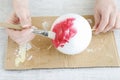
{"type": "Point", "coordinates": [51, 34]}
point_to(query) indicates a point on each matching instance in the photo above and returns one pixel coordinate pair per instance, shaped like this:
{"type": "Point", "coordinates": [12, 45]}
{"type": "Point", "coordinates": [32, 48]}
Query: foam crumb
{"type": "Point", "coordinates": [49, 47]}
{"type": "Point", "coordinates": [21, 53]}
{"type": "Point", "coordinates": [28, 46]}
{"type": "Point", "coordinates": [35, 46]}
{"type": "Point", "coordinates": [90, 50]}
{"type": "Point", "coordinates": [29, 58]}
{"type": "Point", "coordinates": [45, 25]}
{"type": "Point", "coordinates": [16, 50]}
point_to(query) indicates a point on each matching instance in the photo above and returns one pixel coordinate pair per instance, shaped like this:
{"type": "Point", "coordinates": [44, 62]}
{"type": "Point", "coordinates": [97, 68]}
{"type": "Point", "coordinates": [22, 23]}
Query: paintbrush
{"type": "Point", "coordinates": [48, 34]}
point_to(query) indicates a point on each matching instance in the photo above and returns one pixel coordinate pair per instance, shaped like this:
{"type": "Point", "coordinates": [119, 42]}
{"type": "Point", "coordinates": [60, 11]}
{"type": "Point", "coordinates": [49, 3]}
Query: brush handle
{"type": "Point", "coordinates": [12, 26]}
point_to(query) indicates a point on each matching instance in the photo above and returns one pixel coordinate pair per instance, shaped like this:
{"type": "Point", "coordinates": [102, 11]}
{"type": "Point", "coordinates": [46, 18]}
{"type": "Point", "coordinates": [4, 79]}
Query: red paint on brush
{"type": "Point", "coordinates": [64, 31]}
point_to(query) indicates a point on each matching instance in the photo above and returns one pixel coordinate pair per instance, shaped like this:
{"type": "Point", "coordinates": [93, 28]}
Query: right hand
{"type": "Point", "coordinates": [23, 36]}
{"type": "Point", "coordinates": [20, 16]}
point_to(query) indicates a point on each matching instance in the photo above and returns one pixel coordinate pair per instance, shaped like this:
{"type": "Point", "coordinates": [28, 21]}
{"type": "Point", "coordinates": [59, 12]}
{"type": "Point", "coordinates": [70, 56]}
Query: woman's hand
{"type": "Point", "coordinates": [107, 17]}
{"type": "Point", "coordinates": [21, 16]}
{"type": "Point", "coordinates": [20, 37]}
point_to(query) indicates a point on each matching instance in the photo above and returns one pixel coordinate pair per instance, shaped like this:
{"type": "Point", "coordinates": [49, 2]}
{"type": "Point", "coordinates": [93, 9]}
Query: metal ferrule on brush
{"type": "Point", "coordinates": [40, 32]}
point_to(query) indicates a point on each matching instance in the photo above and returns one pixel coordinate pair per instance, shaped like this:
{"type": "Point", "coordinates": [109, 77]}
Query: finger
{"type": "Point", "coordinates": [13, 19]}
{"type": "Point", "coordinates": [117, 24]}
{"type": "Point", "coordinates": [112, 29]}
{"type": "Point", "coordinates": [21, 37]}
{"type": "Point", "coordinates": [103, 22]}
{"type": "Point", "coordinates": [97, 20]}
{"type": "Point", "coordinates": [111, 23]}
{"type": "Point", "coordinates": [25, 20]}
{"type": "Point", "coordinates": [27, 36]}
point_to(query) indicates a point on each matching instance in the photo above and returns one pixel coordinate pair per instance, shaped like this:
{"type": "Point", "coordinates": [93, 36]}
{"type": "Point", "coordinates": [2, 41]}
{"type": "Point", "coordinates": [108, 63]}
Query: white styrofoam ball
{"type": "Point", "coordinates": [81, 40]}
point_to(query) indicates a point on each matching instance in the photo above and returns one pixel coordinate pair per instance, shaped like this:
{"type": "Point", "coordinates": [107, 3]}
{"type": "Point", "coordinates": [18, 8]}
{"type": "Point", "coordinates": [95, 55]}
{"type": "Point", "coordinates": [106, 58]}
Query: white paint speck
{"type": "Point", "coordinates": [49, 47]}
{"type": "Point", "coordinates": [45, 25]}
{"type": "Point", "coordinates": [28, 46]}
{"type": "Point", "coordinates": [29, 58]}
{"type": "Point", "coordinates": [90, 50]}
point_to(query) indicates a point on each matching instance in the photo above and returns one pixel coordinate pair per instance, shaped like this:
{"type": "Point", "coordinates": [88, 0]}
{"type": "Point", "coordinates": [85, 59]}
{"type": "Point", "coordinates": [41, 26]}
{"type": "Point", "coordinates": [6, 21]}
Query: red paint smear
{"type": "Point", "coordinates": [64, 31]}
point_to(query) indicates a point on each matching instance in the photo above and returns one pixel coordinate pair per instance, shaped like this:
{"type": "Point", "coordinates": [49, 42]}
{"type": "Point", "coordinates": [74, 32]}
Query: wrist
{"type": "Point", "coordinates": [19, 4]}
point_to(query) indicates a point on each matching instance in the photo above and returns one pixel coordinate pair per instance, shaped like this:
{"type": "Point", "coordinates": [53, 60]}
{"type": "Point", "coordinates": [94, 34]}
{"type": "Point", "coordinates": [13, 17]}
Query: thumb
{"type": "Point", "coordinates": [97, 20]}
{"type": "Point", "coordinates": [25, 21]}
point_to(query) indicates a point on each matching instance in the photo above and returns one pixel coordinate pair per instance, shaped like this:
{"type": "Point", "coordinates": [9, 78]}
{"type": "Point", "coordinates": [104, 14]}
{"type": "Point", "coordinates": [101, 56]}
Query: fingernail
{"type": "Point", "coordinates": [26, 26]}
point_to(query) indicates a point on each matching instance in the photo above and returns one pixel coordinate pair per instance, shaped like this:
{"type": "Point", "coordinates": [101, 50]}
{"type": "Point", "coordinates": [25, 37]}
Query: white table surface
{"type": "Point", "coordinates": [55, 7]}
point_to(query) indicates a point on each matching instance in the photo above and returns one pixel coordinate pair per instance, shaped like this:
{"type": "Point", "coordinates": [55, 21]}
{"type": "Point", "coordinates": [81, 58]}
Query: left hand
{"type": "Point", "coordinates": [107, 17]}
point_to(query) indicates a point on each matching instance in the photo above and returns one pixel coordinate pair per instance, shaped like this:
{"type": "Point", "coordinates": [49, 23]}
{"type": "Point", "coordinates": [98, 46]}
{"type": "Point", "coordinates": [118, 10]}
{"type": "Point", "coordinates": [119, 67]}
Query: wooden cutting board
{"type": "Point", "coordinates": [102, 51]}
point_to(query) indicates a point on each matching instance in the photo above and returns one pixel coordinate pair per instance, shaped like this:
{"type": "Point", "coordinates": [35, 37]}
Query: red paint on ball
{"type": "Point", "coordinates": [64, 32]}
